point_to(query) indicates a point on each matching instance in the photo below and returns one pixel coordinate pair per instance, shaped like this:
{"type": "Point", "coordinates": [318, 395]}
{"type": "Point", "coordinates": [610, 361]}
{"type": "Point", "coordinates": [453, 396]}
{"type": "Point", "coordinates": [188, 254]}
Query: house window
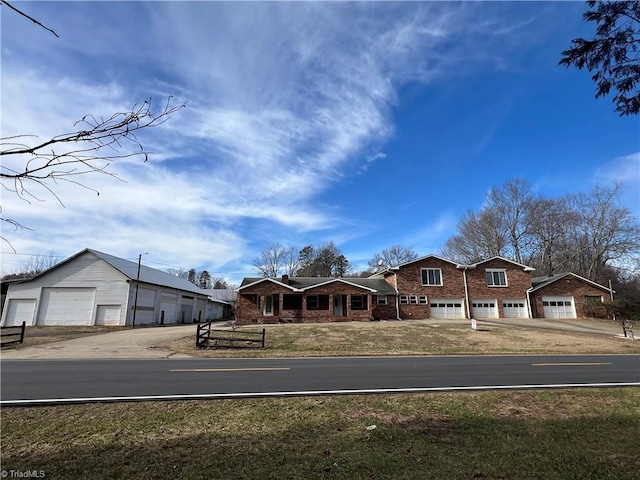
{"type": "Point", "coordinates": [413, 299]}
{"type": "Point", "coordinates": [404, 300]}
{"type": "Point", "coordinates": [292, 301]}
{"type": "Point", "coordinates": [422, 299]}
{"type": "Point", "coordinates": [431, 276]}
{"type": "Point", "coordinates": [317, 302]}
{"type": "Point", "coordinates": [592, 299]}
{"type": "Point", "coordinates": [381, 300]}
{"type": "Point", "coordinates": [496, 278]}
{"type": "Point", "coordinates": [358, 302]}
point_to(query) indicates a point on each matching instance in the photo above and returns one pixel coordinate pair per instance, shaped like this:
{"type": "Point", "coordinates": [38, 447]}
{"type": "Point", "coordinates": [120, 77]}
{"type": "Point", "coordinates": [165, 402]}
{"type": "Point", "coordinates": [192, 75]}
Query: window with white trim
{"type": "Point", "coordinates": [496, 277]}
{"type": "Point", "coordinates": [422, 299]}
{"type": "Point", "coordinates": [413, 299]}
{"type": "Point", "coordinates": [381, 300]}
{"type": "Point", "coordinates": [431, 277]}
{"type": "Point", "coordinates": [404, 299]}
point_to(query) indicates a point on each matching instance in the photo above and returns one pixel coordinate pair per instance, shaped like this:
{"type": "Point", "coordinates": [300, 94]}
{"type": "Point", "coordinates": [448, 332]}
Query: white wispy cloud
{"type": "Point", "coordinates": [283, 98]}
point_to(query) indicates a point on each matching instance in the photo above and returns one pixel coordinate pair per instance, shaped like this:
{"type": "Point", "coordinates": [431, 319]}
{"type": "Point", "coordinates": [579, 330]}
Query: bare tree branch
{"type": "Point", "coordinates": [20, 12]}
{"type": "Point", "coordinates": [90, 150]}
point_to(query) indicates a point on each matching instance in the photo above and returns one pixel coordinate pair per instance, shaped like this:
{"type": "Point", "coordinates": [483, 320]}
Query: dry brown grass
{"type": "Point", "coordinates": [413, 338]}
{"type": "Point", "coordinates": [537, 435]}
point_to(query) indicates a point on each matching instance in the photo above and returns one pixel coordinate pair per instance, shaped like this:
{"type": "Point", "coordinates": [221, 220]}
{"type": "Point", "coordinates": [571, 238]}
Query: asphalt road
{"type": "Point", "coordinates": [76, 381]}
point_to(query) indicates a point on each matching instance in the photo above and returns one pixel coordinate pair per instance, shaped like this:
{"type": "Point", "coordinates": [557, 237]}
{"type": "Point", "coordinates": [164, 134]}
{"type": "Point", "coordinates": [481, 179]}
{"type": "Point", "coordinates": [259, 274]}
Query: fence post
{"type": "Point", "coordinates": [198, 337]}
{"type": "Point", "coordinates": [263, 335]}
{"type": "Point", "coordinates": [24, 325]}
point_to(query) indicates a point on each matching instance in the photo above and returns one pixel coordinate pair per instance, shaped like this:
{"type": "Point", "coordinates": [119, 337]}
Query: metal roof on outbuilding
{"type": "Point", "coordinates": [148, 274]}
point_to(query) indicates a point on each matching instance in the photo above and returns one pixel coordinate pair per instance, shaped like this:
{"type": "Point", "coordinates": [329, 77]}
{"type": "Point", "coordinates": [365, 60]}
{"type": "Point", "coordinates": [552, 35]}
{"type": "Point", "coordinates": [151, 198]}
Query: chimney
{"type": "Point", "coordinates": [285, 279]}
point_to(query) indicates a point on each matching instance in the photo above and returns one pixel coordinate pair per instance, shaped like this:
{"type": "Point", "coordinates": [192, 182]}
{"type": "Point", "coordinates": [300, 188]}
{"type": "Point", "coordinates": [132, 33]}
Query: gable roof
{"type": "Point", "coordinates": [301, 284]}
{"type": "Point", "coordinates": [251, 281]}
{"type": "Point", "coordinates": [130, 270]}
{"type": "Point", "coordinates": [497, 257]}
{"type": "Point", "coordinates": [539, 282]}
{"type": "Point", "coordinates": [397, 267]}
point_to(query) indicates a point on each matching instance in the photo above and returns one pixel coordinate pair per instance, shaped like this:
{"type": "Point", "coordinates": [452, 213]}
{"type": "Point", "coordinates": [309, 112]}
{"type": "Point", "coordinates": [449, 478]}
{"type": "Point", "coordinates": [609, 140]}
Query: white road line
{"type": "Point", "coordinates": [257, 369]}
{"type": "Point", "coordinates": [212, 396]}
{"type": "Point", "coordinates": [569, 364]}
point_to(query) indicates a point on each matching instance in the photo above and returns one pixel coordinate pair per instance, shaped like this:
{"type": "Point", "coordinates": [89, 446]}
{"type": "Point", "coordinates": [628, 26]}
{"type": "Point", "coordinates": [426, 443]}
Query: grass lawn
{"type": "Point", "coordinates": [561, 434]}
{"type": "Point", "coordinates": [411, 338]}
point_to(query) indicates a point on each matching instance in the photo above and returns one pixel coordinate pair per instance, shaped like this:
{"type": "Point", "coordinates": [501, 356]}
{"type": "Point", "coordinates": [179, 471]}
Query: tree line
{"type": "Point", "coordinates": [202, 279]}
{"type": "Point", "coordinates": [590, 233]}
{"type": "Point", "coordinates": [324, 260]}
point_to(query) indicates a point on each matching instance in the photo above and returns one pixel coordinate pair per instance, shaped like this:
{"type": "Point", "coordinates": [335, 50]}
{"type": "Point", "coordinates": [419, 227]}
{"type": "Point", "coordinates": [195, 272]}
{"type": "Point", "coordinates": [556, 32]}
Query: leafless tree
{"type": "Point", "coordinates": [34, 265]}
{"type": "Point", "coordinates": [480, 236]}
{"type": "Point", "coordinates": [551, 220]}
{"type": "Point", "coordinates": [512, 204]}
{"type": "Point", "coordinates": [583, 233]}
{"type": "Point", "coordinates": [272, 260]}
{"type": "Point", "coordinates": [392, 257]}
{"type": "Point", "coordinates": [179, 272]}
{"type": "Point", "coordinates": [291, 261]}
{"type": "Point", "coordinates": [606, 233]}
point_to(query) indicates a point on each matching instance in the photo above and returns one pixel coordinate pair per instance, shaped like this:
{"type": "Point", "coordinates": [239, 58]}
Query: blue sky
{"type": "Point", "coordinates": [366, 124]}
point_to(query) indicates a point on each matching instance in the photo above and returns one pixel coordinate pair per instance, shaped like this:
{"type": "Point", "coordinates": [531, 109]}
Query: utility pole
{"type": "Point", "coordinates": [135, 301]}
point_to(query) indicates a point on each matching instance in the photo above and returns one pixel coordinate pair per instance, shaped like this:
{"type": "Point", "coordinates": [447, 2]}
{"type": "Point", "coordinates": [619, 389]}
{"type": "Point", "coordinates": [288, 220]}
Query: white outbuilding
{"type": "Point", "coordinates": [95, 288]}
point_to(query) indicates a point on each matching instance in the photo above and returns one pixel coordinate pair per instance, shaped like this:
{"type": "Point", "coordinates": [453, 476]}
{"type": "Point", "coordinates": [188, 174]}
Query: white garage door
{"type": "Point", "coordinates": [145, 306]}
{"type": "Point", "coordinates": [515, 308]}
{"type": "Point", "coordinates": [558, 307]}
{"type": "Point", "coordinates": [66, 306]}
{"type": "Point", "coordinates": [168, 305]}
{"type": "Point", "coordinates": [20, 310]}
{"type": "Point", "coordinates": [446, 308]}
{"type": "Point", "coordinates": [108, 315]}
{"type": "Point", "coordinates": [484, 308]}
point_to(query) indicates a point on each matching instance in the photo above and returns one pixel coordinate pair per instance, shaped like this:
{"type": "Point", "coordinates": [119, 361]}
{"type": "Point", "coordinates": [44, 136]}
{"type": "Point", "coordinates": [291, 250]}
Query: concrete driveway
{"type": "Point", "coordinates": [138, 343]}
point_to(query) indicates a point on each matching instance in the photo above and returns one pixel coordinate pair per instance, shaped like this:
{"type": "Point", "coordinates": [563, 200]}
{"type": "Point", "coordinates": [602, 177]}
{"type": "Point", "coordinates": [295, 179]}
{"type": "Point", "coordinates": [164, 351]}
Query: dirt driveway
{"type": "Point", "coordinates": [137, 343]}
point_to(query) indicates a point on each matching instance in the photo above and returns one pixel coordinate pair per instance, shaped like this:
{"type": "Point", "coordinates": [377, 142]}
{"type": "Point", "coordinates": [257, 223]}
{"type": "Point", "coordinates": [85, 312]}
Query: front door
{"type": "Point", "coordinates": [339, 304]}
{"type": "Point", "coordinates": [268, 305]}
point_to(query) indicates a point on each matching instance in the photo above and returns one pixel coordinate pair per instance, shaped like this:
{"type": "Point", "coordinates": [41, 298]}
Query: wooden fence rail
{"type": "Point", "coordinates": [207, 337]}
{"type": "Point", "coordinates": [9, 332]}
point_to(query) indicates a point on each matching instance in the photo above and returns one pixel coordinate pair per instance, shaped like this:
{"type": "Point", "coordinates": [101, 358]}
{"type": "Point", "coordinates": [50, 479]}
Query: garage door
{"type": "Point", "coordinates": [446, 308]}
{"type": "Point", "coordinates": [484, 308]}
{"type": "Point", "coordinates": [66, 306]}
{"type": "Point", "coordinates": [558, 307]}
{"type": "Point", "coordinates": [168, 308]}
{"type": "Point", "coordinates": [20, 310]}
{"type": "Point", "coordinates": [145, 306]}
{"type": "Point", "coordinates": [515, 308]}
{"type": "Point", "coordinates": [108, 315]}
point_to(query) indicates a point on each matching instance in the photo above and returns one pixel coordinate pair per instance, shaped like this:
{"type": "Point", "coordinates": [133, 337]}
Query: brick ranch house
{"type": "Point", "coordinates": [428, 287]}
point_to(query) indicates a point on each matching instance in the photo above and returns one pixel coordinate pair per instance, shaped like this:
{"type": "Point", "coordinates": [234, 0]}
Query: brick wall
{"type": "Point", "coordinates": [569, 286]}
{"type": "Point", "coordinates": [518, 282]}
{"type": "Point", "coordinates": [409, 280]}
{"type": "Point", "coordinates": [247, 310]}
